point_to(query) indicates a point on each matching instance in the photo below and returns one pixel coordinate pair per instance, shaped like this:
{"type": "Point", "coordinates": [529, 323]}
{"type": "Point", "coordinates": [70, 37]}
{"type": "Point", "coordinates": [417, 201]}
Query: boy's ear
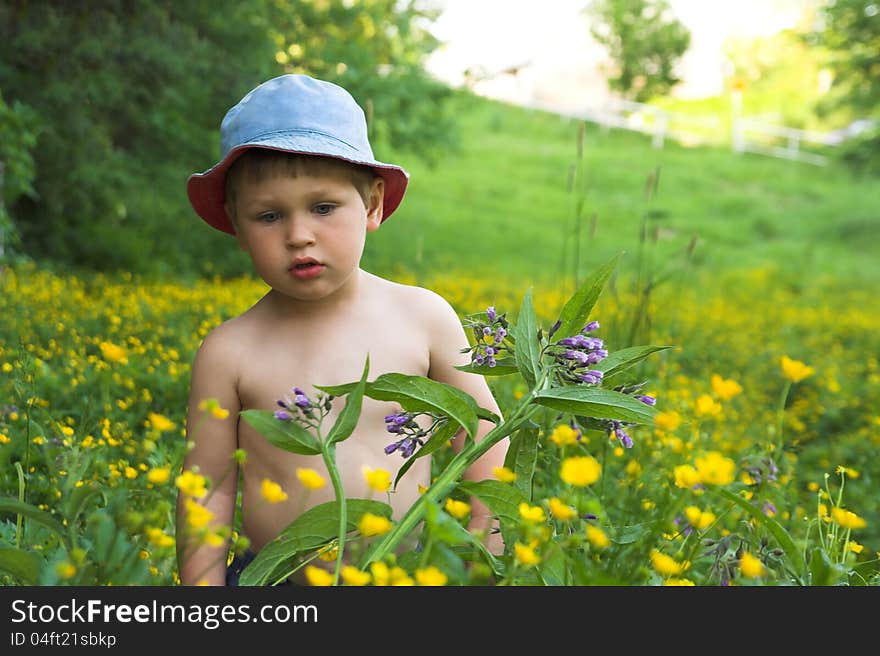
{"type": "Point", "coordinates": [375, 206]}
{"type": "Point", "coordinates": [234, 226]}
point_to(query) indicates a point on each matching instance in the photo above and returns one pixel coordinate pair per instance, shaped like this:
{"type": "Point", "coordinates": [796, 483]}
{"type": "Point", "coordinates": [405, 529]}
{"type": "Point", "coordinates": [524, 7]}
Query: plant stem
{"type": "Point", "coordinates": [328, 452]}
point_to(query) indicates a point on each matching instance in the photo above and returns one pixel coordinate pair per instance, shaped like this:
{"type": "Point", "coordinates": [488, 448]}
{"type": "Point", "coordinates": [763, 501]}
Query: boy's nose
{"type": "Point", "coordinates": [299, 232]}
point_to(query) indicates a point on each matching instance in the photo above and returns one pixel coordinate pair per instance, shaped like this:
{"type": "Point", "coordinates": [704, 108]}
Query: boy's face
{"type": "Point", "coordinates": [306, 234]}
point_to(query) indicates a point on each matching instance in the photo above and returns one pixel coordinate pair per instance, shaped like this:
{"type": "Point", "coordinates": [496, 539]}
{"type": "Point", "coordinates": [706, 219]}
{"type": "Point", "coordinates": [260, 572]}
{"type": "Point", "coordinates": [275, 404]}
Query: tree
{"type": "Point", "coordinates": [850, 31]}
{"type": "Point", "coordinates": [644, 42]}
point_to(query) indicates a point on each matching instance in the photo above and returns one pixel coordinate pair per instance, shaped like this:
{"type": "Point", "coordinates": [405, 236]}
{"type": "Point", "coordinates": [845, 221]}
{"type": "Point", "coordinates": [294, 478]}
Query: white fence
{"type": "Point", "coordinates": [743, 134]}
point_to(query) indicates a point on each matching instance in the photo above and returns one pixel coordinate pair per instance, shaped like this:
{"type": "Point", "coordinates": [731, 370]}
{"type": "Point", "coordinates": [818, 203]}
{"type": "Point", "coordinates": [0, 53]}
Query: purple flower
{"type": "Point", "coordinates": [283, 415]}
{"type": "Point", "coordinates": [647, 400]}
{"type": "Point", "coordinates": [590, 327]}
{"type": "Point", "coordinates": [624, 437]}
{"type": "Point", "coordinates": [769, 509]}
{"type": "Point", "coordinates": [591, 377]}
{"type": "Point", "coordinates": [490, 312]}
{"type": "Point", "coordinates": [300, 399]}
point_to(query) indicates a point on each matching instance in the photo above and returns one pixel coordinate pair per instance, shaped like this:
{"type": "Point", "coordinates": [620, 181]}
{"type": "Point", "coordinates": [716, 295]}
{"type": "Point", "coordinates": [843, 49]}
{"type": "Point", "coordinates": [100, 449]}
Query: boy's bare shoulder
{"type": "Point", "coordinates": [418, 302]}
{"type": "Point", "coordinates": [225, 341]}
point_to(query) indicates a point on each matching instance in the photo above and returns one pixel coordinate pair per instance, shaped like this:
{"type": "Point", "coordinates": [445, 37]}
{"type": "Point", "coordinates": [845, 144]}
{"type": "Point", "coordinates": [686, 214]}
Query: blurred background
{"type": "Point", "coordinates": [527, 132]}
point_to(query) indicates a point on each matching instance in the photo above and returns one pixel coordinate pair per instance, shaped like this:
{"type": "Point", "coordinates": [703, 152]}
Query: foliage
{"type": "Point", "coordinates": [18, 136]}
{"type": "Point", "coordinates": [850, 31]}
{"type": "Point", "coordinates": [129, 97]}
{"type": "Point", "coordinates": [644, 42]}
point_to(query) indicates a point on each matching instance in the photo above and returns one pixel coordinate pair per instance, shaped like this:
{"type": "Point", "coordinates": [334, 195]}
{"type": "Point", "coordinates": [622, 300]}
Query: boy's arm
{"type": "Point", "coordinates": [447, 341]}
{"type": "Point", "coordinates": [214, 441]}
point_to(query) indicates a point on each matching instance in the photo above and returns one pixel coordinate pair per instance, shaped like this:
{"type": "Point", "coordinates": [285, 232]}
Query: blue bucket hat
{"type": "Point", "coordinates": [295, 114]}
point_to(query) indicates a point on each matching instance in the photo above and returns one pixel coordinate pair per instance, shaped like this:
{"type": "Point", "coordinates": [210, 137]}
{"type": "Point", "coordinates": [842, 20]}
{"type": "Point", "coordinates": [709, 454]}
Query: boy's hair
{"type": "Point", "coordinates": [258, 164]}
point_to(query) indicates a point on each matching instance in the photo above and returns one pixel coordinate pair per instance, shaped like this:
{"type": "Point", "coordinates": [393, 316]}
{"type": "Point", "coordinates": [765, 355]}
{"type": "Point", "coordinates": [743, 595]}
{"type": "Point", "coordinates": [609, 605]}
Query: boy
{"type": "Point", "coordinates": [299, 188]}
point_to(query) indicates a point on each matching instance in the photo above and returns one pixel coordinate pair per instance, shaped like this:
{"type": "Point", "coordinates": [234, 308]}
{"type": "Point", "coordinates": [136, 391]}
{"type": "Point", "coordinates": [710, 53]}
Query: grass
{"type": "Point", "coordinates": [503, 205]}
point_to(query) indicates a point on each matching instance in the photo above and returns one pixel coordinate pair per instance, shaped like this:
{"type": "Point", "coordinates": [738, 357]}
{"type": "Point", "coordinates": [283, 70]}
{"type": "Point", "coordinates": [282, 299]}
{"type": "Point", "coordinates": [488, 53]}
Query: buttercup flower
{"type": "Point", "coordinates": [191, 484]}
{"type": "Point", "coordinates": [847, 519]}
{"type": "Point", "coordinates": [525, 555]}
{"type": "Point", "coordinates": [458, 509]}
{"type": "Point", "coordinates": [504, 475]}
{"type": "Point", "coordinates": [666, 565]}
{"type": "Point", "coordinates": [377, 479]}
{"type": "Point", "coordinates": [212, 406]}
{"type": "Point", "coordinates": [531, 513]}
{"type": "Point", "coordinates": [580, 471]}
{"type": "Point", "coordinates": [272, 492]}
{"type": "Point", "coordinates": [686, 476]}
{"type": "Point", "coordinates": [725, 389]}
{"type": "Point", "coordinates": [159, 475]}
{"type": "Point", "coordinates": [113, 353]}
{"type": "Point", "coordinates": [318, 577]}
{"type": "Point", "coordinates": [795, 370]}
{"type": "Point", "coordinates": [697, 518]}
{"type": "Point", "coordinates": [159, 422]}
{"type": "Point", "coordinates": [352, 576]}
{"type": "Point", "coordinates": [715, 469]}
{"type": "Point", "coordinates": [430, 576]}
{"type": "Point", "coordinates": [372, 525]}
{"type": "Point", "coordinates": [750, 566]}
{"type": "Point", "coordinates": [597, 537]}
{"type": "Point", "coordinates": [564, 435]}
{"type": "Point", "coordinates": [310, 478]}
{"type": "Point", "coordinates": [668, 420]}
{"type": "Point", "coordinates": [561, 511]}
{"type": "Point", "coordinates": [197, 515]}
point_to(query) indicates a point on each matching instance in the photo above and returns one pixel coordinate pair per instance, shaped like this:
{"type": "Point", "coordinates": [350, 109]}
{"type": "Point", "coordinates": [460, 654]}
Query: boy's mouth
{"type": "Point", "coordinates": [305, 267]}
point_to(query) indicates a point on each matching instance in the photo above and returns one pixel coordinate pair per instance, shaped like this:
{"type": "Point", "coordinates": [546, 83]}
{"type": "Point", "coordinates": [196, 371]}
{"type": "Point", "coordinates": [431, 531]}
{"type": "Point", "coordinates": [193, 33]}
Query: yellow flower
{"type": "Point", "coordinates": [525, 555]}
{"type": "Point", "coordinates": [597, 537]}
{"type": "Point", "coordinates": [795, 370]}
{"type": "Point", "coordinates": [675, 581]}
{"type": "Point", "coordinates": [531, 513]}
{"type": "Point", "coordinates": [504, 475]}
{"type": "Point", "coordinates": [707, 406]}
{"type": "Point", "coordinates": [197, 515]}
{"type": "Point", "coordinates": [4, 439]}
{"type": "Point", "coordinates": [272, 492]}
{"type": "Point", "coordinates": [750, 566]}
{"type": "Point", "coordinates": [668, 420]}
{"type": "Point", "coordinates": [847, 519]}
{"type": "Point", "coordinates": [725, 389]}
{"type": "Point", "coordinates": [561, 511]}
{"type": "Point", "coordinates": [329, 554]}
{"type": "Point", "coordinates": [715, 469]}
{"type": "Point", "coordinates": [318, 577]}
{"type": "Point", "coordinates": [698, 518]}
{"type": "Point", "coordinates": [212, 406]}
{"type": "Point", "coordinates": [686, 476]}
{"type": "Point", "coordinates": [563, 435]}
{"type": "Point", "coordinates": [158, 537]}
{"type": "Point", "coordinates": [113, 353]}
{"type": "Point", "coordinates": [852, 473]}
{"type": "Point", "coordinates": [130, 472]}
{"type": "Point", "coordinates": [855, 547]}
{"type": "Point", "coordinates": [351, 575]}
{"type": "Point", "coordinates": [377, 479]}
{"type": "Point", "coordinates": [65, 569]}
{"type": "Point", "coordinates": [380, 572]}
{"type": "Point", "coordinates": [580, 470]}
{"type": "Point", "coordinates": [191, 484]}
{"type": "Point", "coordinates": [399, 577]}
{"type": "Point", "coordinates": [666, 565]}
{"type": "Point", "coordinates": [159, 422]}
{"type": "Point", "coordinates": [430, 576]}
{"type": "Point", "coordinates": [310, 478]}
{"type": "Point", "coordinates": [458, 509]}
{"type": "Point", "coordinates": [6, 367]}
{"type": "Point", "coordinates": [371, 525]}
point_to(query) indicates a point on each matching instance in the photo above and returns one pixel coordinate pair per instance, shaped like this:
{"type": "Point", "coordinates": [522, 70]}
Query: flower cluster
{"type": "Point", "coordinates": [412, 434]}
{"type": "Point", "coordinates": [577, 353]}
{"type": "Point", "coordinates": [617, 429]}
{"type": "Point", "coordinates": [488, 338]}
{"type": "Point", "coordinates": [297, 406]}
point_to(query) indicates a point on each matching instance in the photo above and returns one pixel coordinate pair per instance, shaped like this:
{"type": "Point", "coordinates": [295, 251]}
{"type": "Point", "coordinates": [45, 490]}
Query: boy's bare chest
{"type": "Point", "coordinates": [276, 363]}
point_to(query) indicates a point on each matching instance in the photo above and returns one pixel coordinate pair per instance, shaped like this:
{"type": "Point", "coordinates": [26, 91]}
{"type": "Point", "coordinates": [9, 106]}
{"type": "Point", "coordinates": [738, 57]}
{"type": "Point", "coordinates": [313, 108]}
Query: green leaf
{"type": "Point", "coordinates": [502, 499]}
{"type": "Point", "coordinates": [503, 367]}
{"type": "Point", "coordinates": [420, 394]}
{"type": "Point", "coordinates": [527, 349]}
{"type": "Point", "coordinates": [576, 312]}
{"type": "Point", "coordinates": [553, 568]}
{"type": "Point", "coordinates": [618, 361]}
{"type": "Point", "coordinates": [597, 403]}
{"type": "Point", "coordinates": [24, 566]}
{"type": "Point", "coordinates": [824, 572]}
{"type": "Point", "coordinates": [348, 418]}
{"type": "Point", "coordinates": [316, 527]}
{"type": "Point", "coordinates": [12, 505]}
{"type": "Point", "coordinates": [798, 567]}
{"type": "Point", "coordinates": [521, 458]}
{"type": "Point", "coordinates": [287, 435]}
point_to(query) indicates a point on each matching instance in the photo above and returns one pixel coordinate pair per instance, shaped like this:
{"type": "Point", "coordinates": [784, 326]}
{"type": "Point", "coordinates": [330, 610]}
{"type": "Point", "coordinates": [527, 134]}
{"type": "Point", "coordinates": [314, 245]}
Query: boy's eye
{"type": "Point", "coordinates": [268, 217]}
{"type": "Point", "coordinates": [323, 208]}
